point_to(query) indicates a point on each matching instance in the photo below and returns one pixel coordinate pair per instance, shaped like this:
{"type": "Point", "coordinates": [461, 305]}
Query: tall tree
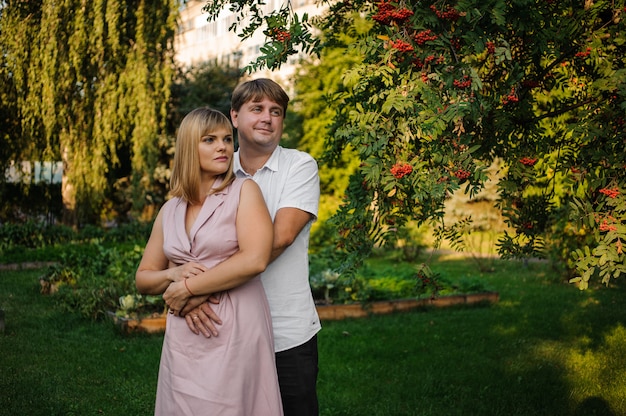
{"type": "Point", "coordinates": [446, 87]}
{"type": "Point", "coordinates": [204, 84]}
{"type": "Point", "coordinates": [91, 81]}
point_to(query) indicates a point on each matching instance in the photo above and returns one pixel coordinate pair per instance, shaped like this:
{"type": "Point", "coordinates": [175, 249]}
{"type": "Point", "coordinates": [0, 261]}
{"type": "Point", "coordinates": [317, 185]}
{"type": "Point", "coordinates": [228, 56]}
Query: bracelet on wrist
{"type": "Point", "coordinates": [187, 287]}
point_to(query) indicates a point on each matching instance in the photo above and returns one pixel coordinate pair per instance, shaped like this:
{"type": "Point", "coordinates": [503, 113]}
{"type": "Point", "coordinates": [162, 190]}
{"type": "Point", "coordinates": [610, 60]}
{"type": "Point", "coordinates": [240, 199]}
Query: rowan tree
{"type": "Point", "coordinates": [445, 88]}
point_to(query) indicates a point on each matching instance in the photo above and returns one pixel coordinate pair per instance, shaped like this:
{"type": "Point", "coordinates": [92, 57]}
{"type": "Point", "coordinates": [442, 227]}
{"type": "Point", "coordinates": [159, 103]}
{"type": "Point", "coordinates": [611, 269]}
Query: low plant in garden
{"type": "Point", "coordinates": [384, 278]}
{"type": "Point", "coordinates": [325, 283]}
{"type": "Point", "coordinates": [90, 279]}
{"type": "Point", "coordinates": [55, 277]}
{"type": "Point", "coordinates": [136, 306]}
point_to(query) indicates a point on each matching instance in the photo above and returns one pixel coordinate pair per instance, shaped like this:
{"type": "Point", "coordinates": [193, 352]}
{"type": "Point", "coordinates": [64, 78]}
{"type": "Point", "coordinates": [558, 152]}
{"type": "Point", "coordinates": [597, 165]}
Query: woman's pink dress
{"type": "Point", "coordinates": [233, 373]}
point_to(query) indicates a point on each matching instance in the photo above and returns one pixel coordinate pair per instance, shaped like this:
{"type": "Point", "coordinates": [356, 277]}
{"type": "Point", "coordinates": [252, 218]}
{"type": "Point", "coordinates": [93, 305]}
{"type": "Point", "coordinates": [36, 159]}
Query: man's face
{"type": "Point", "coordinates": [259, 123]}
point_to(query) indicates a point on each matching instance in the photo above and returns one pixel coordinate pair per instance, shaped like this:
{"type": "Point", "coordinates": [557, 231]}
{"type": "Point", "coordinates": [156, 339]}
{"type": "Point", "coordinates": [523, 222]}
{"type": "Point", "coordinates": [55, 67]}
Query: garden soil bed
{"type": "Point", "coordinates": [156, 323]}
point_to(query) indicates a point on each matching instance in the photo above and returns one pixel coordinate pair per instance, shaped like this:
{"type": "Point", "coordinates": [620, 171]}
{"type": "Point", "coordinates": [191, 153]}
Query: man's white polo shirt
{"type": "Point", "coordinates": [289, 179]}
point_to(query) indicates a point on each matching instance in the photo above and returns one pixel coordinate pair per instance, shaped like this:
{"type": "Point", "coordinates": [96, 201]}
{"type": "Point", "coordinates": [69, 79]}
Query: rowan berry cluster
{"type": "Point", "coordinates": [462, 174]}
{"type": "Point", "coordinates": [511, 98]}
{"type": "Point", "coordinates": [387, 13]}
{"type": "Point", "coordinates": [605, 226]}
{"type": "Point", "coordinates": [583, 54]}
{"type": "Point", "coordinates": [401, 45]}
{"type": "Point", "coordinates": [528, 161]}
{"type": "Point", "coordinates": [465, 82]}
{"type": "Point", "coordinates": [424, 36]}
{"type": "Point", "coordinates": [491, 48]}
{"type": "Point", "coordinates": [429, 59]}
{"type": "Point", "coordinates": [424, 279]}
{"type": "Point", "coordinates": [279, 34]}
{"type": "Point", "coordinates": [449, 14]}
{"type": "Point", "coordinates": [611, 193]}
{"type": "Point", "coordinates": [401, 169]}
{"type": "Point", "coordinates": [401, 15]}
{"type": "Point", "coordinates": [438, 61]}
{"type": "Point", "coordinates": [383, 16]}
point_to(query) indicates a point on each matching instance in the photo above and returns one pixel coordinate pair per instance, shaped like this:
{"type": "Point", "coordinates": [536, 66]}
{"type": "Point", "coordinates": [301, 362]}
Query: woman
{"type": "Point", "coordinates": [213, 234]}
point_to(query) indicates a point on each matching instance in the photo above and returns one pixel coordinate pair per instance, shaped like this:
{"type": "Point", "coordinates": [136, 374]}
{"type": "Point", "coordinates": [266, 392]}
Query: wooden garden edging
{"type": "Point", "coordinates": [156, 323]}
{"type": "Point", "coordinates": [338, 312]}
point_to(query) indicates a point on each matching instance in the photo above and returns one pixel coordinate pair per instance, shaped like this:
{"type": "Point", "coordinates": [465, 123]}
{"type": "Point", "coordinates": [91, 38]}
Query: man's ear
{"type": "Point", "coordinates": [233, 117]}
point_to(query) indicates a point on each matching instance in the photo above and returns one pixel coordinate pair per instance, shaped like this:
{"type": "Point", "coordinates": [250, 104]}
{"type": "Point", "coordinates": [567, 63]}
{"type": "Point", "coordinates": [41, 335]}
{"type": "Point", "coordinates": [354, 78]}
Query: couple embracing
{"type": "Point", "coordinates": [229, 253]}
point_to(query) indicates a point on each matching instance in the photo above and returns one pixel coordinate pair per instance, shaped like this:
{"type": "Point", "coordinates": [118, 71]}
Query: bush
{"type": "Point", "coordinates": [136, 231]}
{"type": "Point", "coordinates": [32, 234]}
{"type": "Point", "coordinates": [92, 278]}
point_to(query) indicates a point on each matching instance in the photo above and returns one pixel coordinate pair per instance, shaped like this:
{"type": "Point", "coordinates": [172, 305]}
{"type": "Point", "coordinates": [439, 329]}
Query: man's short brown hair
{"type": "Point", "coordinates": [256, 90]}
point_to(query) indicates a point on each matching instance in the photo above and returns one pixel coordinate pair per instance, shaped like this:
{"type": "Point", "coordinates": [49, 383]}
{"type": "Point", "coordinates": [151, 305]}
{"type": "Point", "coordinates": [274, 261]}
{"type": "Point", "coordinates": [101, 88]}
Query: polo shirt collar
{"type": "Point", "coordinates": [271, 164]}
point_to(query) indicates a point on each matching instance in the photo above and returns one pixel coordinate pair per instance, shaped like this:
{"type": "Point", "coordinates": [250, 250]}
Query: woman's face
{"type": "Point", "coordinates": [215, 151]}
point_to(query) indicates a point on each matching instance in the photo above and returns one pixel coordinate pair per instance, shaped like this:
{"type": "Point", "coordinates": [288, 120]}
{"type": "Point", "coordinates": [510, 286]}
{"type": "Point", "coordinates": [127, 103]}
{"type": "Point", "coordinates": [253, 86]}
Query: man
{"type": "Point", "coordinates": [289, 182]}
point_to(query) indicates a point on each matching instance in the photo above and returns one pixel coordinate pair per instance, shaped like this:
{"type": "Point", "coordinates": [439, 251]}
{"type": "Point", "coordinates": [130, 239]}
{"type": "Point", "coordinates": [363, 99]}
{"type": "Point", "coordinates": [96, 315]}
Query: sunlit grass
{"type": "Point", "coordinates": [545, 349]}
{"type": "Point", "coordinates": [596, 370]}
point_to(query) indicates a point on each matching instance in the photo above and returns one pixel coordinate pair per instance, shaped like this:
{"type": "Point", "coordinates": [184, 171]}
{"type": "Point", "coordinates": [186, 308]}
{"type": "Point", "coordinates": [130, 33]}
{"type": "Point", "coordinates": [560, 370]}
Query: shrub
{"type": "Point", "coordinates": [91, 278]}
{"type": "Point", "coordinates": [27, 235]}
{"type": "Point", "coordinates": [136, 231]}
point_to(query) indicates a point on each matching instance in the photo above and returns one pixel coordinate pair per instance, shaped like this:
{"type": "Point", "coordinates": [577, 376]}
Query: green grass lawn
{"type": "Point", "coordinates": [545, 348]}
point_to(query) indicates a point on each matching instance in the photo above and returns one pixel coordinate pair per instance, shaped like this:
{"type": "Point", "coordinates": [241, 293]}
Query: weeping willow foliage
{"type": "Point", "coordinates": [91, 80]}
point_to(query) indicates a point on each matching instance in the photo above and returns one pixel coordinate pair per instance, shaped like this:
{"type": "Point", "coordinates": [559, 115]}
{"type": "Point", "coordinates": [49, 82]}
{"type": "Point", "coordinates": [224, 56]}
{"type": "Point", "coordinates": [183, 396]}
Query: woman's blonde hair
{"type": "Point", "coordinates": [185, 179]}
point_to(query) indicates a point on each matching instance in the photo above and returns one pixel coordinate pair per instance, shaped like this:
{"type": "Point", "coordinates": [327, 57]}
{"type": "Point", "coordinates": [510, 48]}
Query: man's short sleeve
{"type": "Point", "coordinates": [302, 185]}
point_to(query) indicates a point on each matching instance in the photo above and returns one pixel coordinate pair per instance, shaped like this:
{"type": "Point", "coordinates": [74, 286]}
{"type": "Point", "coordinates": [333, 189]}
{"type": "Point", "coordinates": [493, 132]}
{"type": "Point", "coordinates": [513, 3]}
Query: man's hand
{"type": "Point", "coordinates": [202, 318]}
{"type": "Point", "coordinates": [195, 301]}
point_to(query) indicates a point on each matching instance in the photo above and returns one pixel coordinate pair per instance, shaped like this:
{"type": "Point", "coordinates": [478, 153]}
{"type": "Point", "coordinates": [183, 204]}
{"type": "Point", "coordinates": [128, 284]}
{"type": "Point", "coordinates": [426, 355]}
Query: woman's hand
{"type": "Point", "coordinates": [176, 296]}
